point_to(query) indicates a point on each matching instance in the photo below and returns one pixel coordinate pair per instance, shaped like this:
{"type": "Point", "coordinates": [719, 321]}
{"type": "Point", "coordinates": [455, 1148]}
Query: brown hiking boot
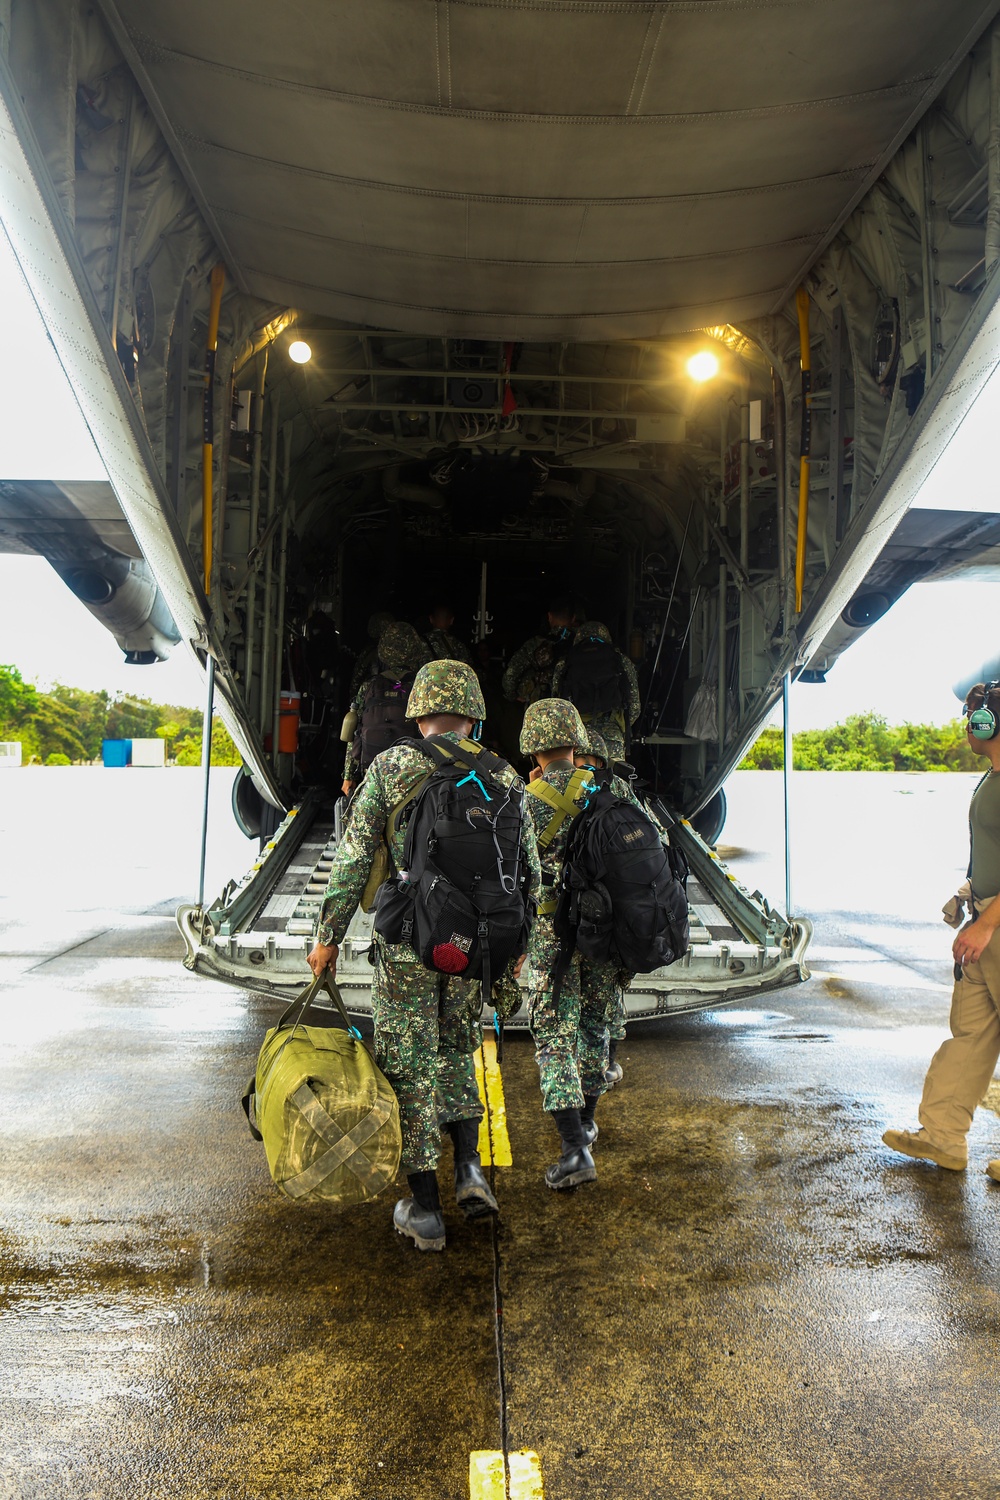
{"type": "Point", "coordinates": [915, 1143]}
{"type": "Point", "coordinates": [993, 1169]}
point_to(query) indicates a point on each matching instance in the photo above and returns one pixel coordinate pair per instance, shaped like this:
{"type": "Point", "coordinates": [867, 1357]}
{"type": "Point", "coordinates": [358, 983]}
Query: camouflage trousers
{"type": "Point", "coordinates": [571, 1033]}
{"type": "Point", "coordinates": [427, 1032]}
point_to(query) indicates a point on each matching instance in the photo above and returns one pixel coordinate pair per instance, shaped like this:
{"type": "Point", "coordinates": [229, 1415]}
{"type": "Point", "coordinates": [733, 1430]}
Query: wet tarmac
{"type": "Point", "coordinates": [756, 1299]}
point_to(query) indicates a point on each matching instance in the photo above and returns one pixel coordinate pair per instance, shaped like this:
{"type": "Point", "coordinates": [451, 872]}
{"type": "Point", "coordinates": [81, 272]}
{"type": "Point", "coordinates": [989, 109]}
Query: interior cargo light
{"type": "Point", "coordinates": [703, 366]}
{"type": "Point", "coordinates": [300, 352]}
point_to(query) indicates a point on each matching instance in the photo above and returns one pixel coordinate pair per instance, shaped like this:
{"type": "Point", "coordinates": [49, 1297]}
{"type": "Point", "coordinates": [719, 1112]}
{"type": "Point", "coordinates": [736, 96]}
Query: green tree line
{"type": "Point", "coordinates": [866, 742]}
{"type": "Point", "coordinates": [66, 726]}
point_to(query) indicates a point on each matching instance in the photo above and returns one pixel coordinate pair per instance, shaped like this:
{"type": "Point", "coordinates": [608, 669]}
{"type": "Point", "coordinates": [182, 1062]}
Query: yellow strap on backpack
{"type": "Point", "coordinates": [565, 804]}
{"type": "Point", "coordinates": [382, 861]}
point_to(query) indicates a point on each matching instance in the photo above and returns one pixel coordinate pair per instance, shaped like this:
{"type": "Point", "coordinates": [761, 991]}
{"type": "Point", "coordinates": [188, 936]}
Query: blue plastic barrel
{"type": "Point", "coordinates": [116, 752]}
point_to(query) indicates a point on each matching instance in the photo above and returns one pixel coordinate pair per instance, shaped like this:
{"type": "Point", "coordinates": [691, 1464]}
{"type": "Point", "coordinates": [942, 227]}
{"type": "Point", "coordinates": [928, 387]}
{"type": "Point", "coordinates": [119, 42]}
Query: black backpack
{"type": "Point", "coordinates": [460, 900]}
{"type": "Point", "coordinates": [622, 894]}
{"type": "Point", "coordinates": [595, 679]}
{"type": "Point", "coordinates": [382, 722]}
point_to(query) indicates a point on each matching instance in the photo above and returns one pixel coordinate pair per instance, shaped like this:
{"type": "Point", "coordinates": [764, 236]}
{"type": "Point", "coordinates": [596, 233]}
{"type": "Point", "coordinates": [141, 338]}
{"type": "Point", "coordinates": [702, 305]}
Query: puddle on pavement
{"type": "Point", "coordinates": [799, 1036]}
{"type": "Point", "coordinates": [743, 1017]}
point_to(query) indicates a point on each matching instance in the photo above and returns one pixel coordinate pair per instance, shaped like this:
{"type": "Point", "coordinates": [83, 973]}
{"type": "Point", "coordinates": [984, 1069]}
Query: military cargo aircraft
{"type": "Point", "coordinates": [673, 305]}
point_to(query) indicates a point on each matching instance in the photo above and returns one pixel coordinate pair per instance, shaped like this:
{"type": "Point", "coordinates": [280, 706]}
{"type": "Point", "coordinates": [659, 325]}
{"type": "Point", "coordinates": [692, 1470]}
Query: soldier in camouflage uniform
{"type": "Point", "coordinates": [607, 979]}
{"type": "Point", "coordinates": [528, 676]}
{"type": "Point", "coordinates": [426, 1025]}
{"type": "Point", "coordinates": [443, 644]}
{"type": "Point", "coordinates": [569, 1028]}
{"type": "Point", "coordinates": [613, 981]}
{"type": "Point", "coordinates": [610, 727]}
{"type": "Point", "coordinates": [366, 662]}
{"type": "Point", "coordinates": [401, 651]}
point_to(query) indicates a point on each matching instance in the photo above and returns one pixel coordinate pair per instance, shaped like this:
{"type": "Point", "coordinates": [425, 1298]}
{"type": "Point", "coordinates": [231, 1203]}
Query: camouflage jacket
{"type": "Point", "coordinates": [391, 776]}
{"type": "Point", "coordinates": [529, 672]}
{"type": "Point", "coordinates": [628, 672]}
{"type": "Point", "coordinates": [447, 647]}
{"type": "Point", "coordinates": [623, 789]}
{"type": "Point", "coordinates": [365, 667]}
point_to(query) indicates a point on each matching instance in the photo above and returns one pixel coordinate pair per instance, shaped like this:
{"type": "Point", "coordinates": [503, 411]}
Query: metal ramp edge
{"type": "Point", "coordinates": [259, 931]}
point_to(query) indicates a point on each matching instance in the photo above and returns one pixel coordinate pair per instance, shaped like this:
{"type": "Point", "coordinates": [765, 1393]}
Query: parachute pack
{"type": "Point", "coordinates": [622, 892]}
{"type": "Point", "coordinates": [595, 679]}
{"type": "Point", "coordinates": [383, 722]}
{"type": "Point", "coordinates": [460, 899]}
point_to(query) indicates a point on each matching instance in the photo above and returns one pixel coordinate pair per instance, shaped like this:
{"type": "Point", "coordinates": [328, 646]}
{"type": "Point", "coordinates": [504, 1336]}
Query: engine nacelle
{"type": "Point", "coordinates": [123, 595]}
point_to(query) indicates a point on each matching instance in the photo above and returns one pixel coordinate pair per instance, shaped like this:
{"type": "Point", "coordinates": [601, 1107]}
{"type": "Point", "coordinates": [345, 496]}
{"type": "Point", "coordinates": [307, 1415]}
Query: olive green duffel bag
{"type": "Point", "coordinates": [327, 1115]}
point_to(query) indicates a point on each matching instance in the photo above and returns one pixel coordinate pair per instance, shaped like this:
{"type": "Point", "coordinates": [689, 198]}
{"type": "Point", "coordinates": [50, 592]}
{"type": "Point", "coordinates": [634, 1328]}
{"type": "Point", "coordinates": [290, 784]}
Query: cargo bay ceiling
{"type": "Point", "coordinates": [536, 170]}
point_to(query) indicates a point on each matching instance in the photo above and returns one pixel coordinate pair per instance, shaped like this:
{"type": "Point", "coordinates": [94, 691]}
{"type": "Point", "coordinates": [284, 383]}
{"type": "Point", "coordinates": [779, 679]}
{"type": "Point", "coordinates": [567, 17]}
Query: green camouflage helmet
{"type": "Point", "coordinates": [378, 621]}
{"type": "Point", "coordinates": [551, 723]}
{"type": "Point", "coordinates": [401, 649]}
{"type": "Point", "coordinates": [446, 687]}
{"type": "Point", "coordinates": [591, 630]}
{"type": "Point", "coordinates": [596, 746]}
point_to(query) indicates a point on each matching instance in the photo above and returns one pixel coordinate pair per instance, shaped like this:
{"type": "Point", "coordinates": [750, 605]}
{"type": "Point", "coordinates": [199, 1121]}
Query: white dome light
{"type": "Point", "coordinates": [703, 366]}
{"type": "Point", "coordinates": [300, 352]}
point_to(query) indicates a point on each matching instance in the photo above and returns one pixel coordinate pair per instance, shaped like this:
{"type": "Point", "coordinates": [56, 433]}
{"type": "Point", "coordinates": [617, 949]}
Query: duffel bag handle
{"type": "Point", "coordinates": [302, 1002]}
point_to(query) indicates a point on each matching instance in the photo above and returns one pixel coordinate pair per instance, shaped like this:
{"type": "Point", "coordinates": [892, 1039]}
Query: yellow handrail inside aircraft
{"type": "Point", "coordinates": [208, 421]}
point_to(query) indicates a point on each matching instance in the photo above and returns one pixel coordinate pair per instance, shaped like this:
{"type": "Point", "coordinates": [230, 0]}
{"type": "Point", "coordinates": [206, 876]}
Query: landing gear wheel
{"type": "Point", "coordinates": [255, 817]}
{"type": "Point", "coordinates": [710, 820]}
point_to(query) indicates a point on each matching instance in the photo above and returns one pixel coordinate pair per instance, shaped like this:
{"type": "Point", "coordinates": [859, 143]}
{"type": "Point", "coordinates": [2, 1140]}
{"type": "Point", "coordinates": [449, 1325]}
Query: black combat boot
{"type": "Point", "coordinates": [613, 1072]}
{"type": "Point", "coordinates": [472, 1191]}
{"type": "Point", "coordinates": [420, 1217]}
{"type": "Point", "coordinates": [575, 1165]}
{"type": "Point", "coordinates": [589, 1124]}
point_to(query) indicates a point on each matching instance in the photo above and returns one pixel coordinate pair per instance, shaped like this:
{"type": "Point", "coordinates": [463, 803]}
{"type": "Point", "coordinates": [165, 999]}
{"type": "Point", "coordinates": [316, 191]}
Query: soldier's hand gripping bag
{"type": "Point", "coordinates": [460, 901]}
{"type": "Point", "coordinates": [325, 1112]}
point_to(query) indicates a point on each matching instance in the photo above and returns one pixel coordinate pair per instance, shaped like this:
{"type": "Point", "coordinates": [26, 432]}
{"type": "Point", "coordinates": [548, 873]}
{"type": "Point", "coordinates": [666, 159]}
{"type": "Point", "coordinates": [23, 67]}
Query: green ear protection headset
{"type": "Point", "coordinates": [982, 721]}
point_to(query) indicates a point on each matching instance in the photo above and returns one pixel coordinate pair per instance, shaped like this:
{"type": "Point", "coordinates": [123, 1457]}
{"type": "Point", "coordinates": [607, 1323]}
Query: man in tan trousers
{"type": "Point", "coordinates": [962, 1067]}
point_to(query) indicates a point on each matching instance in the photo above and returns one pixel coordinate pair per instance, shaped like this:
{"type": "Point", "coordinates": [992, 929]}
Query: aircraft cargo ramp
{"type": "Point", "coordinates": [258, 932]}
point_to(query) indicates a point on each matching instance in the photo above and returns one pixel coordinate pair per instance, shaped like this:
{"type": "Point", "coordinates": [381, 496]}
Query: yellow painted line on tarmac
{"type": "Point", "coordinates": [491, 1093]}
{"type": "Point", "coordinates": [486, 1476]}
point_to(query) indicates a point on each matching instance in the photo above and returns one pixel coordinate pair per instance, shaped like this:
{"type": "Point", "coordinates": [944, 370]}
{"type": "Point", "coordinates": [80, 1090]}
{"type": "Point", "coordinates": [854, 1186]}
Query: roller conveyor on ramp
{"type": "Point", "coordinates": [259, 930]}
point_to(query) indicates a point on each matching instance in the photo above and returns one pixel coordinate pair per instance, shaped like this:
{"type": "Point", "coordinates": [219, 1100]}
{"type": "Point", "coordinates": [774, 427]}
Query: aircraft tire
{"type": "Point", "coordinates": [710, 820]}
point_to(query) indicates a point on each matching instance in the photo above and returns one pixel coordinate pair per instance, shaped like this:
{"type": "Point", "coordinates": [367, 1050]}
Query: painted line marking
{"type": "Point", "coordinates": [486, 1476]}
{"type": "Point", "coordinates": [491, 1093]}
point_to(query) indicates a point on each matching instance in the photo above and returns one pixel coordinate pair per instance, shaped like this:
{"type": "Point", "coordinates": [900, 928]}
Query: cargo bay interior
{"type": "Point", "coordinates": [387, 473]}
{"type": "Point", "coordinates": [498, 477]}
